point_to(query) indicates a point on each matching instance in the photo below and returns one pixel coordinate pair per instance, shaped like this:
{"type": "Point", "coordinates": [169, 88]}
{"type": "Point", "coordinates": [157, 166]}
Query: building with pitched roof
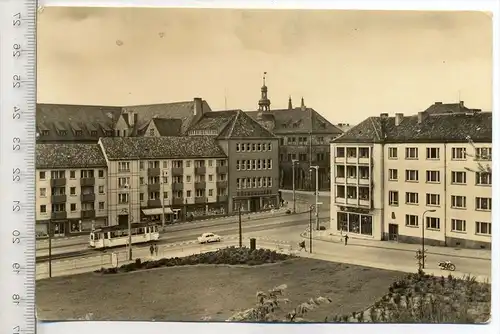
{"type": "Point", "coordinates": [252, 153]}
{"type": "Point", "coordinates": [304, 137]}
{"type": "Point", "coordinates": [61, 123]}
{"type": "Point", "coordinates": [396, 178]}
{"type": "Point", "coordinates": [71, 188]}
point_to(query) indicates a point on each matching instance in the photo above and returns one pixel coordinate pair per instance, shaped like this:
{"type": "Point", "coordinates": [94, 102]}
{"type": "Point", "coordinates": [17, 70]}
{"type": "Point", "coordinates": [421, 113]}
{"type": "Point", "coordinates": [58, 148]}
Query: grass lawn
{"type": "Point", "coordinates": [191, 293]}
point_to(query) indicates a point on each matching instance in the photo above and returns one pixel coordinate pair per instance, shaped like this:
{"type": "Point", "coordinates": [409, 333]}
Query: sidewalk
{"type": "Point", "coordinates": [302, 192]}
{"type": "Point", "coordinates": [330, 236]}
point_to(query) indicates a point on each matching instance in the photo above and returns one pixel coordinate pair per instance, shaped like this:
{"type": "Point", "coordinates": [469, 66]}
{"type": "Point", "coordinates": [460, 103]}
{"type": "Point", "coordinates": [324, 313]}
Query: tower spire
{"type": "Point", "coordinates": [264, 102]}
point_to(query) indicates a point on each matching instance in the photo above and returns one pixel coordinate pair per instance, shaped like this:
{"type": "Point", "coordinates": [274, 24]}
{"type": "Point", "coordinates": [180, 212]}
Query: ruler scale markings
{"type": "Point", "coordinates": [17, 121]}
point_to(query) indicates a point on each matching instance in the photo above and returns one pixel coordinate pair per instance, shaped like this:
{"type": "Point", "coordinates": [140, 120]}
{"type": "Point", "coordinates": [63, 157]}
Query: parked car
{"type": "Point", "coordinates": [205, 238]}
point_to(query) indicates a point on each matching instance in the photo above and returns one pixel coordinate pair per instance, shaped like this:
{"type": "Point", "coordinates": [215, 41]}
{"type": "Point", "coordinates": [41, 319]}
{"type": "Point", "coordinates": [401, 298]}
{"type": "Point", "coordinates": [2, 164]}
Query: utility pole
{"type": "Point", "coordinates": [310, 230]}
{"type": "Point", "coordinates": [50, 248]}
{"type": "Point", "coordinates": [162, 203]}
{"type": "Point", "coordinates": [239, 224]}
{"type": "Point", "coordinates": [129, 222]}
{"type": "Point", "coordinates": [294, 161]}
{"type": "Point", "coordinates": [423, 237]}
{"type": "Point", "coordinates": [317, 193]}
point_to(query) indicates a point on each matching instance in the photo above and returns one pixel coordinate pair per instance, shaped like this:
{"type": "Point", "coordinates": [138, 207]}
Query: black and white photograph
{"type": "Point", "coordinates": [263, 166]}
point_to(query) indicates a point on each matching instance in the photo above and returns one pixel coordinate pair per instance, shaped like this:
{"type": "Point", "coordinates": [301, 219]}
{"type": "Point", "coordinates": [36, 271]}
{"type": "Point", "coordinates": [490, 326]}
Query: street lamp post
{"type": "Point", "coordinates": [317, 193]}
{"type": "Point", "coordinates": [162, 182]}
{"type": "Point", "coordinates": [129, 221]}
{"type": "Point", "coordinates": [294, 161]}
{"type": "Point", "coordinates": [310, 230]}
{"type": "Point", "coordinates": [423, 236]}
{"type": "Point", "coordinates": [50, 248]}
{"type": "Point", "coordinates": [240, 234]}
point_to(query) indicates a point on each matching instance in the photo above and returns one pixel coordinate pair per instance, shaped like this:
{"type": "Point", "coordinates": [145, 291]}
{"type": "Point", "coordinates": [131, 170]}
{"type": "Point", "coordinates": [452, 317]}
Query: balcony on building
{"type": "Point", "coordinates": [154, 203]}
{"type": "Point", "coordinates": [87, 197]}
{"type": "Point", "coordinates": [86, 214]}
{"type": "Point", "coordinates": [221, 169]}
{"type": "Point", "coordinates": [87, 181]}
{"type": "Point", "coordinates": [177, 186]}
{"type": "Point", "coordinates": [200, 200]}
{"type": "Point", "coordinates": [177, 201]}
{"type": "Point", "coordinates": [59, 215]}
{"type": "Point", "coordinates": [201, 170]}
{"type": "Point", "coordinates": [177, 171]}
{"type": "Point", "coordinates": [57, 182]}
{"type": "Point", "coordinates": [222, 198]}
{"type": "Point", "coordinates": [154, 171]}
{"type": "Point", "coordinates": [200, 185]}
{"type": "Point", "coordinates": [154, 187]}
{"type": "Point", "coordinates": [55, 199]}
{"type": "Point", "coordinates": [221, 184]}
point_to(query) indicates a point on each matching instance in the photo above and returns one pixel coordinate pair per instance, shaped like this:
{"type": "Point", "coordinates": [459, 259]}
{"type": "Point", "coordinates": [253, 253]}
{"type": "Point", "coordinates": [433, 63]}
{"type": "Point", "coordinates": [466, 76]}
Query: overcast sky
{"type": "Point", "coordinates": [347, 65]}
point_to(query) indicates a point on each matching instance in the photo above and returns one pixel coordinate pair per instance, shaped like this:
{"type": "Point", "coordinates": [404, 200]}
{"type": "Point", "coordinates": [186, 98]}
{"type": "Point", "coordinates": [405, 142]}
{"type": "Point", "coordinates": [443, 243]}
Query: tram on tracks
{"type": "Point", "coordinates": [115, 236]}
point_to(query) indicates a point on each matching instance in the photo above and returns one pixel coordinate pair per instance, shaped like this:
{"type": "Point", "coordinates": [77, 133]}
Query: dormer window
{"type": "Point", "coordinates": [93, 133]}
{"type": "Point", "coordinates": [78, 133]}
{"type": "Point", "coordinates": [45, 132]}
{"type": "Point", "coordinates": [62, 132]}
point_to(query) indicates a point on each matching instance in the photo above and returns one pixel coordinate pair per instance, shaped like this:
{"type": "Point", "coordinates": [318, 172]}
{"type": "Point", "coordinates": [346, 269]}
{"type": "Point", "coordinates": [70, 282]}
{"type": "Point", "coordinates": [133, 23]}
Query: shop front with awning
{"type": "Point", "coordinates": [154, 214]}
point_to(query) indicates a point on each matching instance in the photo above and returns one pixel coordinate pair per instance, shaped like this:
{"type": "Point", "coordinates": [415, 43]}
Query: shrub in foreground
{"type": "Point", "coordinates": [231, 255]}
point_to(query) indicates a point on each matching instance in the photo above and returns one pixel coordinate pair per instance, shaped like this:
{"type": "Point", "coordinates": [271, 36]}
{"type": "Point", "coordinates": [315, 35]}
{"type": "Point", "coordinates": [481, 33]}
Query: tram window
{"type": "Point", "coordinates": [155, 228]}
{"type": "Point", "coordinates": [141, 230]}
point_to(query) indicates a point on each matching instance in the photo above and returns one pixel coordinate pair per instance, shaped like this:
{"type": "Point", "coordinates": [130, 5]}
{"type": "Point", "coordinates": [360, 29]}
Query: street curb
{"type": "Point", "coordinates": [305, 234]}
{"type": "Point", "coordinates": [171, 245]}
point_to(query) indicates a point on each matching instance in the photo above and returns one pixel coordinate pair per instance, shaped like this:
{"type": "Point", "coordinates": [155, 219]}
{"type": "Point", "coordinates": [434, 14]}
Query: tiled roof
{"type": "Point", "coordinates": [448, 108]}
{"type": "Point", "coordinates": [168, 127]}
{"type": "Point", "coordinates": [130, 148]}
{"type": "Point", "coordinates": [51, 119]}
{"type": "Point", "coordinates": [231, 124]}
{"type": "Point", "coordinates": [298, 120]}
{"type": "Point", "coordinates": [433, 128]}
{"type": "Point", "coordinates": [183, 111]}
{"type": "Point", "coordinates": [49, 156]}
{"type": "Point", "coordinates": [70, 118]}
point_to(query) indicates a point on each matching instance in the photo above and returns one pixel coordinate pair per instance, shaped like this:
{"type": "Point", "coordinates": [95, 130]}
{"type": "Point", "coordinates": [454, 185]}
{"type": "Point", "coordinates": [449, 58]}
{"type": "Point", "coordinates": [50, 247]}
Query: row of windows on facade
{"type": "Point", "coordinates": [352, 172]}
{"type": "Point", "coordinates": [255, 164]}
{"type": "Point", "coordinates": [56, 191]}
{"type": "Point", "coordinates": [61, 174]}
{"type": "Point", "coordinates": [124, 182]}
{"type": "Point", "coordinates": [61, 207]}
{"type": "Point", "coordinates": [457, 225]}
{"type": "Point", "coordinates": [254, 147]}
{"type": "Point", "coordinates": [363, 224]}
{"type": "Point", "coordinates": [353, 192]}
{"type": "Point", "coordinates": [434, 176]}
{"type": "Point", "coordinates": [155, 195]}
{"type": "Point", "coordinates": [457, 201]}
{"type": "Point", "coordinates": [76, 132]}
{"type": "Point", "coordinates": [125, 165]}
{"type": "Point", "coordinates": [433, 153]}
{"type": "Point", "coordinates": [302, 140]}
{"type": "Point", "coordinates": [301, 157]}
{"type": "Point", "coordinates": [254, 182]}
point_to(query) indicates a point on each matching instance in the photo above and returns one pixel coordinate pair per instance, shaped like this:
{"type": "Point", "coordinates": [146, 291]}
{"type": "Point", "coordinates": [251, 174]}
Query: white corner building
{"type": "Point", "coordinates": [392, 175]}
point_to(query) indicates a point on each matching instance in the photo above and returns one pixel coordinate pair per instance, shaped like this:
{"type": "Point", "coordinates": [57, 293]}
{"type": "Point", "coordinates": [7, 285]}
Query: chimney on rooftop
{"type": "Point", "coordinates": [461, 104]}
{"type": "Point", "coordinates": [302, 104]}
{"type": "Point", "coordinates": [198, 106]}
{"type": "Point", "coordinates": [384, 115]}
{"type": "Point", "coordinates": [438, 102]}
{"type": "Point", "coordinates": [422, 115]}
{"type": "Point", "coordinates": [132, 116]}
{"type": "Point", "coordinates": [399, 118]}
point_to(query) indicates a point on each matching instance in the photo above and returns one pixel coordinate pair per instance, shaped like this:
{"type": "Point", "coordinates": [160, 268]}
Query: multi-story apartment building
{"type": "Point", "coordinates": [304, 138]}
{"type": "Point", "coordinates": [180, 177]}
{"type": "Point", "coordinates": [252, 153]}
{"type": "Point", "coordinates": [394, 176]}
{"type": "Point", "coordinates": [71, 188]}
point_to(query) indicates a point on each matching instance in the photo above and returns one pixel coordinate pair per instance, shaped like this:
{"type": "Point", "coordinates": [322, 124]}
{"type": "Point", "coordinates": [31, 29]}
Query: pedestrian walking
{"type": "Point", "coordinates": [156, 250]}
{"type": "Point", "coordinates": [302, 246]}
{"type": "Point", "coordinates": [345, 239]}
{"type": "Point", "coordinates": [151, 249]}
